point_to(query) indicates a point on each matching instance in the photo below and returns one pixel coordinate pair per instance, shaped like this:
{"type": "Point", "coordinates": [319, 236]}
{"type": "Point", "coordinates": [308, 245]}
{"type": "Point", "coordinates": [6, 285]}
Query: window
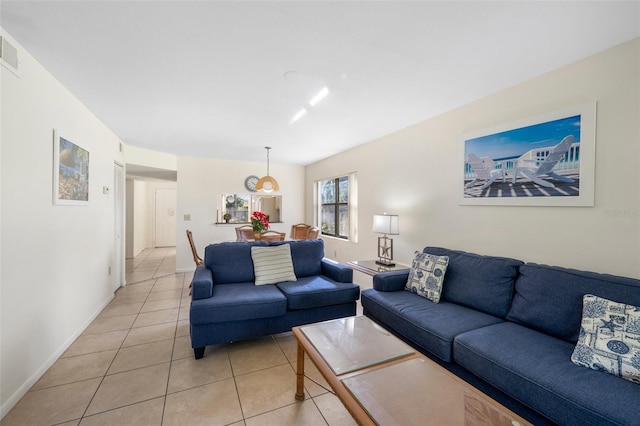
{"type": "Point", "coordinates": [237, 206]}
{"type": "Point", "coordinates": [335, 200]}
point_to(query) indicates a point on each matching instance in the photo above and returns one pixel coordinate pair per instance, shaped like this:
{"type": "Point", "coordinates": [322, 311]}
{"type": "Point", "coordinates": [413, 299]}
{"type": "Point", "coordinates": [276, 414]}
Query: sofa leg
{"type": "Point", "coordinates": [198, 352]}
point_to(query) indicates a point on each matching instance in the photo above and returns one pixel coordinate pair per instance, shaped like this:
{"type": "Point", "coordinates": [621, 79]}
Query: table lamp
{"type": "Point", "coordinates": [386, 224]}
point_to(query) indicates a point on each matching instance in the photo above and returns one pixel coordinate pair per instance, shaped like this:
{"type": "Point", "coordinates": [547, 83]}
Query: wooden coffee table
{"type": "Point", "coordinates": [383, 381]}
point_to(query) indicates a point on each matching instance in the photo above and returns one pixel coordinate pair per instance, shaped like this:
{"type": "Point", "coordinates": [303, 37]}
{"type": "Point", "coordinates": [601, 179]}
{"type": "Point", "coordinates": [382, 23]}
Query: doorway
{"type": "Point", "coordinates": [165, 214]}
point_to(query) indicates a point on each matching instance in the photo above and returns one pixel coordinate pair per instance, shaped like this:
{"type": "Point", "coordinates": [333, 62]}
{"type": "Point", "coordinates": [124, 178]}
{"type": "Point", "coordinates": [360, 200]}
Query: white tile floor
{"type": "Point", "coordinates": [134, 366]}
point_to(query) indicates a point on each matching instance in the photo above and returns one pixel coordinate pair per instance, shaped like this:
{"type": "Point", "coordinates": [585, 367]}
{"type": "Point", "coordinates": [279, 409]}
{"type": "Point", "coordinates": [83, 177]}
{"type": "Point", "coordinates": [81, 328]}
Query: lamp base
{"type": "Point", "coordinates": [385, 263]}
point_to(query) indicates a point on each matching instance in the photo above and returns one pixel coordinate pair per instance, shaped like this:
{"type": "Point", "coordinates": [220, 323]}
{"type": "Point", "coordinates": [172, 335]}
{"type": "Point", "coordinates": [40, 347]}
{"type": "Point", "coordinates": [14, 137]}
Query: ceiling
{"type": "Point", "coordinates": [224, 79]}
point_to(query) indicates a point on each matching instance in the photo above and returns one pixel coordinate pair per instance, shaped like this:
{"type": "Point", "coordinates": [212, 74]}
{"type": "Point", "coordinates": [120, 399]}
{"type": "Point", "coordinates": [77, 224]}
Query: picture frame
{"type": "Point", "coordinates": [70, 172]}
{"type": "Point", "coordinates": [546, 160]}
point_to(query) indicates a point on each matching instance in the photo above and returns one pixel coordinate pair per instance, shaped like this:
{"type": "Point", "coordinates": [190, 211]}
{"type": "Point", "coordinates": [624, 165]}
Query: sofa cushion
{"type": "Point", "coordinates": [317, 291]}
{"type": "Point", "coordinates": [306, 255]}
{"type": "Point", "coordinates": [481, 282]}
{"type": "Point", "coordinates": [609, 338]}
{"type": "Point", "coordinates": [231, 262]}
{"type": "Point", "coordinates": [536, 369]}
{"type": "Point", "coordinates": [272, 265]}
{"type": "Point", "coordinates": [237, 302]}
{"type": "Point", "coordinates": [549, 298]}
{"type": "Point", "coordinates": [426, 275]}
{"type": "Point", "coordinates": [431, 326]}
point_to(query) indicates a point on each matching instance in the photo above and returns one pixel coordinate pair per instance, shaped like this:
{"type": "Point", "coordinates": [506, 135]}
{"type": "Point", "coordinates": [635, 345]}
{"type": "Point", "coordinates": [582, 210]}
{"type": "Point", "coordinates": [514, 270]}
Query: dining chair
{"type": "Point", "coordinates": [272, 236]}
{"type": "Point", "coordinates": [300, 231]}
{"type": "Point", "coordinates": [197, 259]}
{"type": "Point", "coordinates": [244, 233]}
{"type": "Point", "coordinates": [314, 232]}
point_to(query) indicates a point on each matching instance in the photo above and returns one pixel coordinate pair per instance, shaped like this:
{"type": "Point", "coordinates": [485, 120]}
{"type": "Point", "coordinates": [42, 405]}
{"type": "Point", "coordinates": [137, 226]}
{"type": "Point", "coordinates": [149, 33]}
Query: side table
{"type": "Point", "coordinates": [370, 267]}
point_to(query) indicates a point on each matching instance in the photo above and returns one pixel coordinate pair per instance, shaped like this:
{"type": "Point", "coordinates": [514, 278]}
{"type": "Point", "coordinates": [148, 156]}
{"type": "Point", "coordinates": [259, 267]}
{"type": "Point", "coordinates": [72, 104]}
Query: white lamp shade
{"type": "Point", "coordinates": [386, 224]}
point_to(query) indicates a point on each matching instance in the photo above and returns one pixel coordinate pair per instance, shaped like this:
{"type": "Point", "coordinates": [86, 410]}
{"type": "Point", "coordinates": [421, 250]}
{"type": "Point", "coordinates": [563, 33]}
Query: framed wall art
{"type": "Point", "coordinates": [70, 172]}
{"type": "Point", "coordinates": [548, 160]}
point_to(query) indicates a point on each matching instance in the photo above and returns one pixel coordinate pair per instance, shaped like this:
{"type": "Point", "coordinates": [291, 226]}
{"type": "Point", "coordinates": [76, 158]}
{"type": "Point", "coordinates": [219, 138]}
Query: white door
{"type": "Point", "coordinates": [165, 217]}
{"type": "Point", "coordinates": [118, 226]}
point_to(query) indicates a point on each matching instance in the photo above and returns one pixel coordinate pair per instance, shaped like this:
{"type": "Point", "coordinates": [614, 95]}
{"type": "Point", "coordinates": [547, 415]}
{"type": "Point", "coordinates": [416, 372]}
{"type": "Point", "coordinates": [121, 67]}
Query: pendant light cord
{"type": "Point", "coordinates": [268, 148]}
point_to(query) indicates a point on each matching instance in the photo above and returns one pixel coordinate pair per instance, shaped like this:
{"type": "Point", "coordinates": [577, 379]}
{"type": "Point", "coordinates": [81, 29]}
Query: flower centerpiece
{"type": "Point", "coordinates": [259, 222]}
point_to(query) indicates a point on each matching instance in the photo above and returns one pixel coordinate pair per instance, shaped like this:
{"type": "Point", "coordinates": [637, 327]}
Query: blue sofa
{"type": "Point", "coordinates": [510, 329]}
{"type": "Point", "coordinates": [227, 306]}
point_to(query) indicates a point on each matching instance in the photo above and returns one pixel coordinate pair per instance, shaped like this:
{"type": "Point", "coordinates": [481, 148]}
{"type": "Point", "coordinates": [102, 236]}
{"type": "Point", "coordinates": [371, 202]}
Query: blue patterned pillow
{"type": "Point", "coordinates": [609, 338]}
{"type": "Point", "coordinates": [426, 275]}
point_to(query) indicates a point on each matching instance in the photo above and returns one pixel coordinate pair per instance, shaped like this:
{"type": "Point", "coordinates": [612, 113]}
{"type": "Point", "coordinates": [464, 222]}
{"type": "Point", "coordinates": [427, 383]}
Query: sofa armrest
{"type": "Point", "coordinates": [202, 284]}
{"type": "Point", "coordinates": [336, 271]}
{"type": "Point", "coordinates": [390, 281]}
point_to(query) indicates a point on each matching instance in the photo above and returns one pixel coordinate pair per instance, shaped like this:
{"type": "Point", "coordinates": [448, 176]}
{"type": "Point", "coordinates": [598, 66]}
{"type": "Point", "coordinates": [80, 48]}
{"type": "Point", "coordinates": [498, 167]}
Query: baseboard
{"type": "Point", "coordinates": [22, 390]}
{"type": "Point", "coordinates": [182, 270]}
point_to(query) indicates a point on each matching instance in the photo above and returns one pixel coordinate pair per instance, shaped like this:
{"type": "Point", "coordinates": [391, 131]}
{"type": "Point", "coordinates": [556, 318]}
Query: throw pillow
{"type": "Point", "coordinates": [609, 338]}
{"type": "Point", "coordinates": [426, 275]}
{"type": "Point", "coordinates": [272, 264]}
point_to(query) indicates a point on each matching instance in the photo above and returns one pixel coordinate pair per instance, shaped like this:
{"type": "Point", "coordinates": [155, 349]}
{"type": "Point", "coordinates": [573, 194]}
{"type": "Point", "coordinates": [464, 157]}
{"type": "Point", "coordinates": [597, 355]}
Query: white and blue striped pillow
{"type": "Point", "coordinates": [272, 264]}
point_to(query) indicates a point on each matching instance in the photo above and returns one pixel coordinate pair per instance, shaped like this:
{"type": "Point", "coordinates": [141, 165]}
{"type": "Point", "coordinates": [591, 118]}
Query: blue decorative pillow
{"type": "Point", "coordinates": [609, 338]}
{"type": "Point", "coordinates": [426, 275]}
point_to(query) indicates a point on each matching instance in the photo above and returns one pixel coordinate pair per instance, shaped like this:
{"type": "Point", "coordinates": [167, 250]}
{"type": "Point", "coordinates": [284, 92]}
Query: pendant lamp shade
{"type": "Point", "coordinates": [267, 183]}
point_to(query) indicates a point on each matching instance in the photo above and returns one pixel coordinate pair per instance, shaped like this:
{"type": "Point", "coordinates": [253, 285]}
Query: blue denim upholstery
{"type": "Point", "coordinates": [202, 283]}
{"type": "Point", "coordinates": [237, 302]}
{"type": "Point", "coordinates": [223, 332]}
{"type": "Point", "coordinates": [523, 350]}
{"type": "Point", "coordinates": [306, 256]}
{"type": "Point", "coordinates": [316, 291]}
{"type": "Point", "coordinates": [432, 325]}
{"type": "Point", "coordinates": [549, 298]}
{"type": "Point", "coordinates": [231, 262]}
{"type": "Point", "coordinates": [226, 305]}
{"type": "Point", "coordinates": [536, 369]}
{"type": "Point", "coordinates": [480, 282]}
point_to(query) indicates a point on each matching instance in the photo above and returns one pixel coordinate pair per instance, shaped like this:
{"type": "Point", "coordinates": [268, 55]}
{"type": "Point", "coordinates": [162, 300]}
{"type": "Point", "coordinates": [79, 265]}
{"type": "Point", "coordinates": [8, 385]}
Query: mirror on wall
{"type": "Point", "coordinates": [237, 208]}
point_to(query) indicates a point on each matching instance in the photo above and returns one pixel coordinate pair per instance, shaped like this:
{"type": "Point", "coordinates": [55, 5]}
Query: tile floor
{"type": "Point", "coordinates": [134, 366]}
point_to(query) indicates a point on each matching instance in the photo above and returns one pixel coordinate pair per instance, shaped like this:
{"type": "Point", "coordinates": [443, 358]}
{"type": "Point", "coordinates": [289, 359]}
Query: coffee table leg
{"type": "Point", "coordinates": [300, 373]}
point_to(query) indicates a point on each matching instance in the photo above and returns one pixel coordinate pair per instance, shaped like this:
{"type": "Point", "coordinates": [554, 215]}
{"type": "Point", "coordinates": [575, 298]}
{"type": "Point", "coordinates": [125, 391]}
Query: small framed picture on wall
{"type": "Point", "coordinates": [70, 172]}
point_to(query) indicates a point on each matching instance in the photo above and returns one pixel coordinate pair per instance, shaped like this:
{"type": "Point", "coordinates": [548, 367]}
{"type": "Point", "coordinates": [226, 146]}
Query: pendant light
{"type": "Point", "coordinates": [267, 183]}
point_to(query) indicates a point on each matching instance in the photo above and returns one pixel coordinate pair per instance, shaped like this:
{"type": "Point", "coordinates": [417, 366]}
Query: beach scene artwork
{"type": "Point", "coordinates": [71, 170]}
{"type": "Point", "coordinates": [540, 160]}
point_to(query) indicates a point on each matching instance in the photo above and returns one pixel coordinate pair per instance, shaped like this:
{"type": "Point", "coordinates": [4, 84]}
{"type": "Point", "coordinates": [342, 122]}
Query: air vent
{"type": "Point", "coordinates": [9, 56]}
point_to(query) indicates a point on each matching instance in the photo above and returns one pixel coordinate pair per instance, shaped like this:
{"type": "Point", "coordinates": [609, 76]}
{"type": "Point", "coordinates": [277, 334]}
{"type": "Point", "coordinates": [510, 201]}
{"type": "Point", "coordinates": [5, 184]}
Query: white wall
{"type": "Point", "coordinates": [51, 285]}
{"type": "Point", "coordinates": [200, 180]}
{"type": "Point", "coordinates": [413, 173]}
{"type": "Point", "coordinates": [146, 157]}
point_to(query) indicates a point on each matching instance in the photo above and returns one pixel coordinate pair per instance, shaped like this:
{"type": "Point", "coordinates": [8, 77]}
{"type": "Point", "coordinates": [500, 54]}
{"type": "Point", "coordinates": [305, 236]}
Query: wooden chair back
{"type": "Point", "coordinates": [300, 231]}
{"type": "Point", "coordinates": [314, 232]}
{"type": "Point", "coordinates": [197, 259]}
{"type": "Point", "coordinates": [244, 233]}
{"type": "Point", "coordinates": [272, 236]}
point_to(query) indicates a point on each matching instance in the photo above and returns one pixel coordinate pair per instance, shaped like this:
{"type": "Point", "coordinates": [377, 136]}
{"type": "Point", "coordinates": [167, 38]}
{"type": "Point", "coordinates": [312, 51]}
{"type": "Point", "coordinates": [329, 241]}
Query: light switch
{"type": "Point", "coordinates": [187, 217]}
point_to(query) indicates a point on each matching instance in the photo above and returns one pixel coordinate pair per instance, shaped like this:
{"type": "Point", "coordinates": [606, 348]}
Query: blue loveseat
{"type": "Point", "coordinates": [510, 329]}
{"type": "Point", "coordinates": [226, 305]}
